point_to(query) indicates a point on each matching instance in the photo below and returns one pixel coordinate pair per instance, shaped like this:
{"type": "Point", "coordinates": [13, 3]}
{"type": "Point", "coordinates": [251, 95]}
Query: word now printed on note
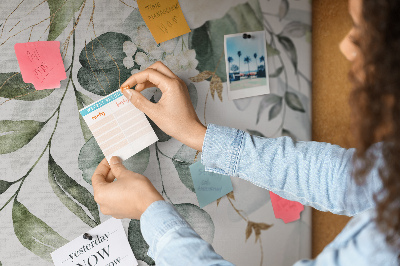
{"type": "Point", "coordinates": [164, 18]}
{"type": "Point", "coordinates": [109, 246]}
{"type": "Point", "coordinates": [41, 63]}
{"type": "Point", "coordinates": [118, 126]}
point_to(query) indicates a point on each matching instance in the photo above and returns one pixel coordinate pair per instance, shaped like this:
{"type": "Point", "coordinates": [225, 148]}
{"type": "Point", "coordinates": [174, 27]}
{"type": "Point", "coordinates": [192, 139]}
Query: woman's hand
{"type": "Point", "coordinates": [128, 196]}
{"type": "Point", "coordinates": [174, 113]}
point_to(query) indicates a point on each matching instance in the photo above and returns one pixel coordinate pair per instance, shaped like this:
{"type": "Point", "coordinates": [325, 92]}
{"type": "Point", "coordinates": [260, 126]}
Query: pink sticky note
{"type": "Point", "coordinates": [41, 64]}
{"type": "Point", "coordinates": [284, 209]}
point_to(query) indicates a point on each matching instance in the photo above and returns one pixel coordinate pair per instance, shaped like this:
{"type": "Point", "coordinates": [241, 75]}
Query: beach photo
{"type": "Point", "coordinates": [246, 64]}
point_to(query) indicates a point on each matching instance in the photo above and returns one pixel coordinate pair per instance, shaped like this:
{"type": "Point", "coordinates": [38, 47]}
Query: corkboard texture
{"type": "Point", "coordinates": [331, 89]}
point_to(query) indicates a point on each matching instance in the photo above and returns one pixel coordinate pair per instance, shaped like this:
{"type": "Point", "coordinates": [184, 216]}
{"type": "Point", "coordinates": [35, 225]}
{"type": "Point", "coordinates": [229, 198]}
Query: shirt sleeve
{"type": "Point", "coordinates": [172, 241]}
{"type": "Point", "coordinates": [312, 173]}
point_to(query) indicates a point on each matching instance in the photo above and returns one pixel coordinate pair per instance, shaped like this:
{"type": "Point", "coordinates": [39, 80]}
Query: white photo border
{"type": "Point", "coordinates": [248, 92]}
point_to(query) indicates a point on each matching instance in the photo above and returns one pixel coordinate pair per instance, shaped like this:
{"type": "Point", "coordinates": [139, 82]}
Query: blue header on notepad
{"type": "Point", "coordinates": [100, 103]}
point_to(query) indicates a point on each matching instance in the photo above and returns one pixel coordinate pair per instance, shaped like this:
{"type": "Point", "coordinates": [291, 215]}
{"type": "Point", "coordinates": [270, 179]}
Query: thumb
{"type": "Point", "coordinates": [117, 167]}
{"type": "Point", "coordinates": [138, 100]}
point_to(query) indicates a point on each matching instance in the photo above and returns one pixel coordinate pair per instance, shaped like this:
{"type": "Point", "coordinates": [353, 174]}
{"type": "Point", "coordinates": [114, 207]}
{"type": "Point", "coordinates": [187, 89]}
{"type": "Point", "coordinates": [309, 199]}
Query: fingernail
{"type": "Point", "coordinates": [124, 88]}
{"type": "Point", "coordinates": [115, 160]}
{"type": "Point", "coordinates": [128, 94]}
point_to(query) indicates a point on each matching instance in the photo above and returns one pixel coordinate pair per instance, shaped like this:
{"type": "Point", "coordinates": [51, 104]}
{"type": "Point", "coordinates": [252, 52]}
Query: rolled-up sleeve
{"type": "Point", "coordinates": [172, 241]}
{"type": "Point", "coordinates": [313, 173]}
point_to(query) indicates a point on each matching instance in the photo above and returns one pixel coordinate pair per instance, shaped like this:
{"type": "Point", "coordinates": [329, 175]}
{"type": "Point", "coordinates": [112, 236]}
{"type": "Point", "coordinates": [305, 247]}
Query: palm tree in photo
{"type": "Point", "coordinates": [262, 59]}
{"type": "Point", "coordinates": [247, 60]}
{"type": "Point", "coordinates": [234, 68]}
{"type": "Point", "coordinates": [239, 53]}
{"type": "Point", "coordinates": [230, 60]}
{"type": "Point", "coordinates": [255, 60]}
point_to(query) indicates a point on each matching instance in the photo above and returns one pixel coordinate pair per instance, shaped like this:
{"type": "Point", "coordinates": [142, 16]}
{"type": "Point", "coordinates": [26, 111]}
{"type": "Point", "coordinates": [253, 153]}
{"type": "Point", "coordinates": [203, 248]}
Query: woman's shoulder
{"type": "Point", "coordinates": [362, 241]}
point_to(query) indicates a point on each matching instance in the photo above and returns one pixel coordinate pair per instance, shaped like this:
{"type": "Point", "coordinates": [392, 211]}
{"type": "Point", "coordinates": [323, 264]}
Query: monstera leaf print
{"type": "Point", "coordinates": [102, 70]}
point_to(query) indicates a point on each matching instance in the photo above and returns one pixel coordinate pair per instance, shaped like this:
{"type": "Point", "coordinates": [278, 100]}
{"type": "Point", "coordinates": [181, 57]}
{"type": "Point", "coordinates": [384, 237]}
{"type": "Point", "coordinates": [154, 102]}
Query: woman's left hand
{"type": "Point", "coordinates": [126, 197]}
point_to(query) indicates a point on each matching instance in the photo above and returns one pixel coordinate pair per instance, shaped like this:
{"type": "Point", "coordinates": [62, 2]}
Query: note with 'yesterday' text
{"type": "Point", "coordinates": [109, 246]}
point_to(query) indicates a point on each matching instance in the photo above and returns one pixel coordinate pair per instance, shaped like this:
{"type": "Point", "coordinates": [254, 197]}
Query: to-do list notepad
{"type": "Point", "coordinates": [118, 126]}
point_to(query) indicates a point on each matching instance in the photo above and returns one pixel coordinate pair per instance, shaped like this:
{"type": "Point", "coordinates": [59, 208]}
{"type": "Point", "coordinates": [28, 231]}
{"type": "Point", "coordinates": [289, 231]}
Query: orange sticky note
{"type": "Point", "coordinates": [41, 64]}
{"type": "Point", "coordinates": [288, 211]}
{"type": "Point", "coordinates": [164, 18]}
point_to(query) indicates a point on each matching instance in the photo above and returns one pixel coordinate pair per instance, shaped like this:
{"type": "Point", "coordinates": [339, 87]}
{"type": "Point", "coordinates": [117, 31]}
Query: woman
{"type": "Point", "coordinates": [362, 182]}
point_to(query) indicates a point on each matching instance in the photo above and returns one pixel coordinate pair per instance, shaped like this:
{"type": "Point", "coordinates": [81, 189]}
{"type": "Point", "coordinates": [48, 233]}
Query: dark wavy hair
{"type": "Point", "coordinates": [375, 103]}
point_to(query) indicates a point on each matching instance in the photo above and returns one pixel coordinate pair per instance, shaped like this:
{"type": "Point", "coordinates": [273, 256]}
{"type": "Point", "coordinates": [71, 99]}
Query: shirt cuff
{"type": "Point", "coordinates": [221, 150]}
{"type": "Point", "coordinates": [158, 219]}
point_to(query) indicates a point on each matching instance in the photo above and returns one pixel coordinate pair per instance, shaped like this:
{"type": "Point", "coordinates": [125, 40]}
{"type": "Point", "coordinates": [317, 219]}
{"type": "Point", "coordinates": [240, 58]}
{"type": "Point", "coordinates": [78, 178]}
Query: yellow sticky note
{"type": "Point", "coordinates": [164, 18]}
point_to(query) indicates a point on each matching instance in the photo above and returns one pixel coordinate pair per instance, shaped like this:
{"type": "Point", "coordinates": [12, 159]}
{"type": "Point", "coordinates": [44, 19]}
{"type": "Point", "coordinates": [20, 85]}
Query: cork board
{"type": "Point", "coordinates": [331, 89]}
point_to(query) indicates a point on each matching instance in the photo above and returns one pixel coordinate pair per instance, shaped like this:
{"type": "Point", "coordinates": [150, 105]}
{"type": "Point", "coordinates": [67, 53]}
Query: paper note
{"type": "Point", "coordinates": [41, 64]}
{"type": "Point", "coordinates": [118, 126]}
{"type": "Point", "coordinates": [288, 211]}
{"type": "Point", "coordinates": [109, 246]}
{"type": "Point", "coordinates": [209, 186]}
{"type": "Point", "coordinates": [164, 18]}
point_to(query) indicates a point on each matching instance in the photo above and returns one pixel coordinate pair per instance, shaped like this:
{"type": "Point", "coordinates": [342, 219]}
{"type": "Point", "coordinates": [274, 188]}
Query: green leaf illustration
{"type": "Point", "coordinates": [91, 155]}
{"type": "Point", "coordinates": [198, 219]}
{"type": "Point", "coordinates": [137, 242]}
{"type": "Point", "coordinates": [182, 160]}
{"type": "Point", "coordinates": [4, 185]}
{"type": "Point", "coordinates": [286, 132]}
{"type": "Point", "coordinates": [293, 101]}
{"type": "Point", "coordinates": [104, 52]}
{"type": "Point", "coordinates": [16, 134]}
{"type": "Point", "coordinates": [271, 51]}
{"type": "Point", "coordinates": [255, 133]}
{"type": "Point", "coordinates": [295, 29]}
{"type": "Point", "coordinates": [208, 39]}
{"type": "Point", "coordinates": [283, 9]}
{"type": "Point", "coordinates": [102, 82]}
{"type": "Point", "coordinates": [290, 49]}
{"type": "Point", "coordinates": [61, 13]}
{"type": "Point", "coordinates": [69, 191]}
{"type": "Point", "coordinates": [12, 86]}
{"type": "Point", "coordinates": [275, 110]}
{"type": "Point", "coordinates": [82, 100]}
{"type": "Point", "coordinates": [102, 70]}
{"type": "Point", "coordinates": [276, 73]}
{"type": "Point", "coordinates": [34, 234]}
{"type": "Point", "coordinates": [267, 101]}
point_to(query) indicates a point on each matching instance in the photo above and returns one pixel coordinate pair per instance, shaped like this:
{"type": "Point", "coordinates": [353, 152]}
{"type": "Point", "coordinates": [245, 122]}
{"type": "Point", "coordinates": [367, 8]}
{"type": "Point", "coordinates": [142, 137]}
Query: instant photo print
{"type": "Point", "coordinates": [246, 64]}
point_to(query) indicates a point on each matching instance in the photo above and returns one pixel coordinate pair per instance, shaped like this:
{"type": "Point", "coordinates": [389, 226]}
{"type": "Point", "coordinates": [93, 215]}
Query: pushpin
{"type": "Point", "coordinates": [246, 36]}
{"type": "Point", "coordinates": [87, 236]}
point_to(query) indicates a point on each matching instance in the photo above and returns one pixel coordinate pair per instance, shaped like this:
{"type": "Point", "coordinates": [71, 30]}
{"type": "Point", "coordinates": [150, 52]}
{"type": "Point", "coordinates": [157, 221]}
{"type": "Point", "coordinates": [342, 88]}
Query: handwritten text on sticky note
{"type": "Point", "coordinates": [209, 186]}
{"type": "Point", "coordinates": [284, 209]}
{"type": "Point", "coordinates": [118, 126]}
{"type": "Point", "coordinates": [41, 64]}
{"type": "Point", "coordinates": [164, 18]}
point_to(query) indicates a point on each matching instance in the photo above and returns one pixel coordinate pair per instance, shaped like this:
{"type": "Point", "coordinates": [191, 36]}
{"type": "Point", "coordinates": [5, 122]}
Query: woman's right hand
{"type": "Point", "coordinates": [174, 112]}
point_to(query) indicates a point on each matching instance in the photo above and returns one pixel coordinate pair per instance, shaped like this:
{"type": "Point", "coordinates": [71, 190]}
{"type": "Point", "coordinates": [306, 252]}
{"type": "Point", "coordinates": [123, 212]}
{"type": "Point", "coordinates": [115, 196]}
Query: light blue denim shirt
{"type": "Point", "coordinates": [312, 173]}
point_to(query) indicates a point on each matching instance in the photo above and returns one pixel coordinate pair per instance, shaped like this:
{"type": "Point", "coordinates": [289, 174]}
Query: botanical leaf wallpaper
{"type": "Point", "coordinates": [48, 153]}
